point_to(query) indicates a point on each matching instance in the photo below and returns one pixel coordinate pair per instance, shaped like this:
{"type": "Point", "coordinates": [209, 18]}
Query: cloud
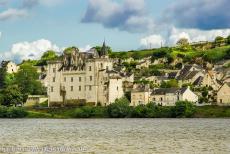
{"type": "Point", "coordinates": [33, 3]}
{"type": "Point", "coordinates": [12, 14]}
{"type": "Point", "coordinates": [129, 16]}
{"type": "Point", "coordinates": [174, 34]}
{"type": "Point", "coordinates": [199, 14]}
{"type": "Point", "coordinates": [152, 41]}
{"type": "Point", "coordinates": [85, 49]}
{"type": "Point", "coordinates": [28, 50]}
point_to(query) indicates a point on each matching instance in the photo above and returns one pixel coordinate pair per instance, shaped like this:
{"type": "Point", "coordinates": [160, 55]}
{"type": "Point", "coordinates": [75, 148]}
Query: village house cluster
{"type": "Point", "coordinates": [80, 78]}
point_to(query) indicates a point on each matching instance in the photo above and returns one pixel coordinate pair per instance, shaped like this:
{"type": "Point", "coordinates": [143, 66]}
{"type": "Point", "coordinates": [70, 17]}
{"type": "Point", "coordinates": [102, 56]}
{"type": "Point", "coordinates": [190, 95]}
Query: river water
{"type": "Point", "coordinates": [115, 136]}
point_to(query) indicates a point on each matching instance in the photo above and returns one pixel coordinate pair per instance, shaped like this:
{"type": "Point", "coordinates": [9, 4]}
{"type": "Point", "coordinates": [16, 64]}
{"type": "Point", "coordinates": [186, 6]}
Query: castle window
{"type": "Point", "coordinates": [64, 79]}
{"type": "Point", "coordinates": [53, 79]}
{"type": "Point", "coordinates": [71, 88]}
{"type": "Point", "coordinates": [101, 65]}
{"type": "Point", "coordinates": [54, 70]}
{"type": "Point", "coordinates": [90, 68]}
{"type": "Point", "coordinates": [90, 78]}
{"type": "Point", "coordinates": [79, 88]}
{"type": "Point", "coordinates": [90, 88]}
{"type": "Point", "coordinates": [71, 79]}
{"type": "Point", "coordinates": [117, 88]}
{"type": "Point", "coordinates": [79, 79]}
{"type": "Point", "coordinates": [52, 89]}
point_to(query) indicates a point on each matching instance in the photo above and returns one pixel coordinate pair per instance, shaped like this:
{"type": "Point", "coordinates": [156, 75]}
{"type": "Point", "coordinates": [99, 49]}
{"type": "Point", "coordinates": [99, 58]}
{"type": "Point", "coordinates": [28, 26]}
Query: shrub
{"type": "Point", "coordinates": [3, 111]}
{"type": "Point", "coordinates": [119, 109]}
{"type": "Point", "coordinates": [83, 112]}
{"type": "Point", "coordinates": [183, 109]}
{"type": "Point", "coordinates": [16, 112]}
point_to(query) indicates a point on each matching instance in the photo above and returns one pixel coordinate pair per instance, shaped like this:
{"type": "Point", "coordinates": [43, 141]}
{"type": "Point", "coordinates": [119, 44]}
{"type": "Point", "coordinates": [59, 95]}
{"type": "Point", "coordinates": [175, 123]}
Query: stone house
{"type": "Point", "coordinates": [10, 67]}
{"type": "Point", "coordinates": [223, 95]}
{"type": "Point", "coordinates": [157, 80]}
{"type": "Point", "coordinates": [143, 64]}
{"type": "Point", "coordinates": [140, 95]}
{"type": "Point", "coordinates": [169, 96]}
{"type": "Point", "coordinates": [210, 80]}
{"type": "Point", "coordinates": [81, 78]}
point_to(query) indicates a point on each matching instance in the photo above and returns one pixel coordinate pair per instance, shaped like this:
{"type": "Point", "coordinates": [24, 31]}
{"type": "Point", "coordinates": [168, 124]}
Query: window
{"type": "Point", "coordinates": [90, 88]}
{"type": "Point", "coordinates": [54, 70]}
{"type": "Point", "coordinates": [101, 65]}
{"type": "Point", "coordinates": [79, 79]}
{"type": "Point", "coordinates": [79, 88]}
{"type": "Point", "coordinates": [52, 89]}
{"type": "Point", "coordinates": [90, 78]}
{"type": "Point", "coordinates": [90, 68]}
{"type": "Point", "coordinates": [154, 99]}
{"type": "Point", "coordinates": [71, 88]}
{"type": "Point", "coordinates": [71, 79]}
{"type": "Point", "coordinates": [161, 99]}
{"type": "Point", "coordinates": [117, 88]}
{"type": "Point", "coordinates": [221, 101]}
{"type": "Point", "coordinates": [53, 79]}
{"type": "Point", "coordinates": [64, 79]}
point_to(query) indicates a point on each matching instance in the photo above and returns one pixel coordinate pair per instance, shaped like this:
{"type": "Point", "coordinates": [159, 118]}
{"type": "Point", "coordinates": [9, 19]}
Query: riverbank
{"type": "Point", "coordinates": [117, 111]}
{"type": "Point", "coordinates": [201, 112]}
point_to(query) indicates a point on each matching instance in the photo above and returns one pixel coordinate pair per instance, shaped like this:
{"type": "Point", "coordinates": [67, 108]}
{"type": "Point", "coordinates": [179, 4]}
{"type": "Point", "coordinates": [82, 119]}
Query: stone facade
{"type": "Point", "coordinates": [223, 95]}
{"type": "Point", "coordinates": [10, 67]}
{"type": "Point", "coordinates": [83, 78]}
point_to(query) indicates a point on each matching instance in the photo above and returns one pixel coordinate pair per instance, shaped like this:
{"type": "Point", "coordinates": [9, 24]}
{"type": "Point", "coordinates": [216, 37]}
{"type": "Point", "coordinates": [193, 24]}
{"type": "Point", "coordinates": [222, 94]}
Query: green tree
{"type": "Point", "coordinates": [183, 43]}
{"type": "Point", "coordinates": [228, 39]}
{"type": "Point", "coordinates": [98, 48]}
{"type": "Point", "coordinates": [48, 55]}
{"type": "Point", "coordinates": [12, 96]}
{"type": "Point", "coordinates": [219, 40]}
{"type": "Point", "coordinates": [173, 83]}
{"type": "Point", "coordinates": [27, 80]}
{"type": "Point", "coordinates": [184, 109]}
{"type": "Point", "coordinates": [119, 109]}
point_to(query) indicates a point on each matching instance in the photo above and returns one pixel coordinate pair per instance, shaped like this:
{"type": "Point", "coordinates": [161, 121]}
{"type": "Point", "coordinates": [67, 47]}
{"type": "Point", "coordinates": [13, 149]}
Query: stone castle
{"type": "Point", "coordinates": [83, 77]}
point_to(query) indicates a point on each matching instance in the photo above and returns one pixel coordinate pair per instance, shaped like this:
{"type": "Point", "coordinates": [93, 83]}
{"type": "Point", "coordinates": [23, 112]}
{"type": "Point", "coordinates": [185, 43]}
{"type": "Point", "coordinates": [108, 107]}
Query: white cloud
{"type": "Point", "coordinates": [28, 50]}
{"type": "Point", "coordinates": [13, 13]}
{"type": "Point", "coordinates": [152, 41]}
{"type": "Point", "coordinates": [85, 49]}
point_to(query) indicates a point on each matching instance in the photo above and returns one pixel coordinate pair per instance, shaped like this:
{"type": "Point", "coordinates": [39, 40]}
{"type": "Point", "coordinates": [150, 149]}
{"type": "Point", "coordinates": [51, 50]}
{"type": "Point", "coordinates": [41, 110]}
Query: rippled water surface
{"type": "Point", "coordinates": [115, 135]}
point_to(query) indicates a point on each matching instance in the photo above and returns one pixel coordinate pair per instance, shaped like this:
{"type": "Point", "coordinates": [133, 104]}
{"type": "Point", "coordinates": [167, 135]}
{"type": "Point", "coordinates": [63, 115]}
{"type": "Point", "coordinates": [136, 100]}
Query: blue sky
{"type": "Point", "coordinates": [28, 27]}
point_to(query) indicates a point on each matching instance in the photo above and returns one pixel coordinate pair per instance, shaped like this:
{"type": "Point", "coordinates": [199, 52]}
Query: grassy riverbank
{"type": "Point", "coordinates": [201, 112]}
{"type": "Point", "coordinates": [117, 111]}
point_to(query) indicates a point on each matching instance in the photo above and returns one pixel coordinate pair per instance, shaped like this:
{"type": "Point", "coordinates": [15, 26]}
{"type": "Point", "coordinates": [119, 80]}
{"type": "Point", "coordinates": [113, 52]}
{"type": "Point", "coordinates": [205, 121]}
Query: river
{"type": "Point", "coordinates": [115, 136]}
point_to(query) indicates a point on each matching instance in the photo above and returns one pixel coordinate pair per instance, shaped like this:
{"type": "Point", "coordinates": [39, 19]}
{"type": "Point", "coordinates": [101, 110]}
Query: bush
{"type": "Point", "coordinates": [83, 112]}
{"type": "Point", "coordinates": [3, 112]}
{"type": "Point", "coordinates": [16, 112]}
{"type": "Point", "coordinates": [183, 109]}
{"type": "Point", "coordinates": [119, 109]}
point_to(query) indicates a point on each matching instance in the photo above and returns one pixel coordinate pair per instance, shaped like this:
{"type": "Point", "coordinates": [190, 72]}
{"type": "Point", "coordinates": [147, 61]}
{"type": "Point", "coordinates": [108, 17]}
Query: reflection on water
{"type": "Point", "coordinates": [117, 135]}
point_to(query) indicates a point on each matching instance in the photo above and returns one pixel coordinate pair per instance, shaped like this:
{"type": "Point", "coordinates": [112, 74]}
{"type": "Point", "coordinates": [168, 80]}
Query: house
{"type": "Point", "coordinates": [223, 95]}
{"type": "Point", "coordinates": [160, 61]}
{"type": "Point", "coordinates": [191, 74]}
{"type": "Point", "coordinates": [33, 100]}
{"type": "Point", "coordinates": [10, 66]}
{"type": "Point", "coordinates": [169, 96]}
{"type": "Point", "coordinates": [140, 95]}
{"type": "Point", "coordinates": [143, 64]}
{"type": "Point", "coordinates": [83, 77]}
{"type": "Point", "coordinates": [210, 80]}
{"type": "Point", "coordinates": [157, 80]}
{"type": "Point", "coordinates": [127, 77]}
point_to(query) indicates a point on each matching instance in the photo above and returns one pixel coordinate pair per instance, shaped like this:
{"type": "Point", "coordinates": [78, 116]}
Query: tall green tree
{"type": "Point", "coordinates": [27, 79]}
{"type": "Point", "coordinates": [48, 55]}
{"type": "Point", "coordinates": [12, 96]}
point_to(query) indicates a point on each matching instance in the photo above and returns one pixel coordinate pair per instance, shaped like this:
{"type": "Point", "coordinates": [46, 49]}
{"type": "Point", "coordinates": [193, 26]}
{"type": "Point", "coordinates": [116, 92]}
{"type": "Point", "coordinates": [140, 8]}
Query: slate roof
{"type": "Point", "coordinates": [163, 91]}
{"type": "Point", "coordinates": [191, 75]}
{"type": "Point", "coordinates": [198, 81]}
{"type": "Point", "coordinates": [172, 75]}
{"type": "Point", "coordinates": [184, 72]}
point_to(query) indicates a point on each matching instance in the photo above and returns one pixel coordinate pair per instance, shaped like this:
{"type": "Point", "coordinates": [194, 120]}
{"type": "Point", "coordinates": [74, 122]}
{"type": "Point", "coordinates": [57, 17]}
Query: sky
{"type": "Point", "coordinates": [30, 27]}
